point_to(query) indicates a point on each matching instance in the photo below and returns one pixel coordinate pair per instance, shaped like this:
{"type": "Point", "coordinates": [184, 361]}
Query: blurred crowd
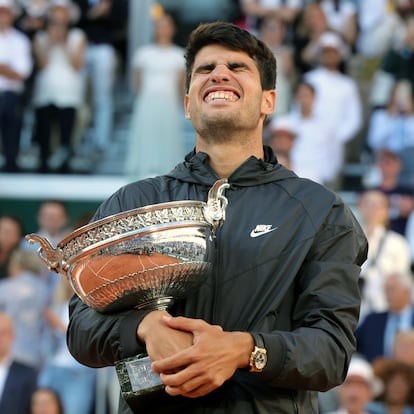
{"type": "Point", "coordinates": [344, 95]}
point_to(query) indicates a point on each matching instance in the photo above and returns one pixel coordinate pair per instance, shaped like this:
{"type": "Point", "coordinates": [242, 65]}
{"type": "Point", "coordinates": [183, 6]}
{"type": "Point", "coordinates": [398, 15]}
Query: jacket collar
{"type": "Point", "coordinates": [252, 172]}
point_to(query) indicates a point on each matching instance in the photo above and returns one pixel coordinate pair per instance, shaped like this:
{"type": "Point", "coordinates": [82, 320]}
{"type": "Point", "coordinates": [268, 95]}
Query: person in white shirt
{"type": "Point", "coordinates": [388, 251]}
{"type": "Point", "coordinates": [337, 97]}
{"type": "Point", "coordinates": [15, 67]}
{"type": "Point", "coordinates": [379, 27]}
{"type": "Point", "coordinates": [342, 18]}
{"type": "Point", "coordinates": [311, 154]}
{"type": "Point", "coordinates": [24, 296]}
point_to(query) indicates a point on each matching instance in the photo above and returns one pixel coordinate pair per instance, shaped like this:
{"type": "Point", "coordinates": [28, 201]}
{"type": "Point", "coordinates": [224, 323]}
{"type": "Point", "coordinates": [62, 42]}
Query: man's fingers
{"type": "Point", "coordinates": [173, 363]}
{"type": "Point", "coordinates": [189, 383]}
{"type": "Point", "coordinates": [184, 324]}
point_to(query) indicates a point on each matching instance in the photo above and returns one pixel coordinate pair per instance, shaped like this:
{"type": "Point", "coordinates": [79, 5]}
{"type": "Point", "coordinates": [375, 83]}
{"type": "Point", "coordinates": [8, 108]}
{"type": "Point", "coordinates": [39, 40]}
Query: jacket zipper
{"type": "Point", "coordinates": [216, 272]}
{"type": "Point", "coordinates": [295, 403]}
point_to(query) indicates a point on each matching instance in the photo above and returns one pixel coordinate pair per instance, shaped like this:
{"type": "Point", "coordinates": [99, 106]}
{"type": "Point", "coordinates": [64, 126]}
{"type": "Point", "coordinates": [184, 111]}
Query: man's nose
{"type": "Point", "coordinates": [220, 73]}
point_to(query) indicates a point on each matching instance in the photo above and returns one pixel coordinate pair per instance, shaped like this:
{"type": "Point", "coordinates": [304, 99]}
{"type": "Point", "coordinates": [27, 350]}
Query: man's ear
{"type": "Point", "coordinates": [186, 107]}
{"type": "Point", "coordinates": [268, 102]}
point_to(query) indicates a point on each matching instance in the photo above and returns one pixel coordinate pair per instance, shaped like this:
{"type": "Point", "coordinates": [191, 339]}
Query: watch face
{"type": "Point", "coordinates": [260, 359]}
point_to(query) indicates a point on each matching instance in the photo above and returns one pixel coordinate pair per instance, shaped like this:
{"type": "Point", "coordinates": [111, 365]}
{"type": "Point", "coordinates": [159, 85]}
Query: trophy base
{"type": "Point", "coordinates": [137, 380]}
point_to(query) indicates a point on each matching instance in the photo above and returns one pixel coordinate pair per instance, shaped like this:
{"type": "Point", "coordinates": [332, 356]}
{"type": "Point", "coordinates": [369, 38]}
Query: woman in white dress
{"type": "Point", "coordinates": [156, 141]}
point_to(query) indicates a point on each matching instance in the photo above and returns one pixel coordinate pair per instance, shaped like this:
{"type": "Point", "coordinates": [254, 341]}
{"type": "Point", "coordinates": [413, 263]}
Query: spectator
{"type": "Point", "coordinates": [32, 17]}
{"type": "Point", "coordinates": [11, 232]}
{"type": "Point", "coordinates": [388, 253]}
{"type": "Point", "coordinates": [358, 389]}
{"type": "Point", "coordinates": [337, 96]}
{"type": "Point", "coordinates": [393, 128]}
{"type": "Point", "coordinates": [272, 32]}
{"type": "Point", "coordinates": [285, 11]}
{"type": "Point", "coordinates": [58, 92]}
{"type": "Point", "coordinates": [15, 67]}
{"type": "Point", "coordinates": [96, 19]}
{"type": "Point", "coordinates": [404, 347]}
{"type": "Point", "coordinates": [47, 401]}
{"type": "Point", "coordinates": [52, 220]}
{"type": "Point", "coordinates": [311, 154]}
{"type": "Point", "coordinates": [378, 24]}
{"type": "Point", "coordinates": [404, 7]}
{"type": "Point", "coordinates": [157, 116]}
{"type": "Point", "coordinates": [282, 134]}
{"type": "Point", "coordinates": [24, 296]}
{"type": "Point", "coordinates": [312, 24]}
{"type": "Point", "coordinates": [399, 59]}
{"type": "Point", "coordinates": [71, 380]}
{"type": "Point", "coordinates": [376, 333]}
{"type": "Point", "coordinates": [398, 394]}
{"type": "Point", "coordinates": [342, 19]}
{"type": "Point", "coordinates": [18, 380]}
{"type": "Point", "coordinates": [387, 168]}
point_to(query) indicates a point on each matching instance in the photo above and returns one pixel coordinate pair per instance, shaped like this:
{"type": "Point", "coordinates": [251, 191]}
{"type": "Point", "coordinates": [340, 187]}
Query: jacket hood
{"type": "Point", "coordinates": [254, 171]}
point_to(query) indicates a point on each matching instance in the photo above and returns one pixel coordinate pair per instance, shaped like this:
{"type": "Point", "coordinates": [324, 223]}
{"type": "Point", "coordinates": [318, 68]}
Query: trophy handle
{"type": "Point", "coordinates": [51, 256]}
{"type": "Point", "coordinates": [215, 209]}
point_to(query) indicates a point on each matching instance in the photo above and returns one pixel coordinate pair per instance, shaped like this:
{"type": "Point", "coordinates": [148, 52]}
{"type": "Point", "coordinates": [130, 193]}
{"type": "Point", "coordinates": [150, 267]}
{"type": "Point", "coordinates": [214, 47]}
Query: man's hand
{"type": "Point", "coordinates": [161, 340]}
{"type": "Point", "coordinates": [211, 360]}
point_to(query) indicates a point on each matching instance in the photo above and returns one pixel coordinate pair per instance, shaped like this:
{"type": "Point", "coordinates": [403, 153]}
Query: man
{"type": "Point", "coordinates": [388, 253]}
{"type": "Point", "coordinates": [15, 67]}
{"type": "Point", "coordinates": [99, 19]}
{"type": "Point", "coordinates": [24, 296]}
{"type": "Point", "coordinates": [53, 223]}
{"type": "Point", "coordinates": [401, 196]}
{"type": "Point", "coordinates": [376, 334]}
{"type": "Point", "coordinates": [311, 154]}
{"type": "Point", "coordinates": [337, 99]}
{"type": "Point", "coordinates": [359, 388]}
{"type": "Point", "coordinates": [17, 380]}
{"type": "Point", "coordinates": [404, 347]}
{"type": "Point", "coordinates": [282, 135]}
{"type": "Point", "coordinates": [291, 293]}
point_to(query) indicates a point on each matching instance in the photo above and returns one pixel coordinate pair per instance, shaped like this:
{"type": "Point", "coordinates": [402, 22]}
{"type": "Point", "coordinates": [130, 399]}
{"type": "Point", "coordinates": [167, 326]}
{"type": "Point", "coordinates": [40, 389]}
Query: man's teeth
{"type": "Point", "coordinates": [224, 95]}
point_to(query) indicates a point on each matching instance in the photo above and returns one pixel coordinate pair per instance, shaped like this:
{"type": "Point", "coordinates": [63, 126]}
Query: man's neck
{"type": "Point", "coordinates": [225, 158]}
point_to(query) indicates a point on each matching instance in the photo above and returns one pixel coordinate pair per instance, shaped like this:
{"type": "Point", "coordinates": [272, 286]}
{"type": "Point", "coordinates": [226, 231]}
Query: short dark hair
{"type": "Point", "coordinates": [234, 38]}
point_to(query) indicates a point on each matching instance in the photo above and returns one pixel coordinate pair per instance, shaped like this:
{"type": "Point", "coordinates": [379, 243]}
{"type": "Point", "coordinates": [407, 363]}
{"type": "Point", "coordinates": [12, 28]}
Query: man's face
{"type": "Point", "coordinates": [330, 58]}
{"type": "Point", "coordinates": [225, 93]}
{"type": "Point", "coordinates": [354, 394]}
{"type": "Point", "coordinates": [52, 218]}
{"type": "Point", "coordinates": [6, 17]}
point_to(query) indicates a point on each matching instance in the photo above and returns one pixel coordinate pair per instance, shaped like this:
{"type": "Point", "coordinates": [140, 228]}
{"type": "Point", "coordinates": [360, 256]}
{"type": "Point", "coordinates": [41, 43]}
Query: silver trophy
{"type": "Point", "coordinates": [143, 258]}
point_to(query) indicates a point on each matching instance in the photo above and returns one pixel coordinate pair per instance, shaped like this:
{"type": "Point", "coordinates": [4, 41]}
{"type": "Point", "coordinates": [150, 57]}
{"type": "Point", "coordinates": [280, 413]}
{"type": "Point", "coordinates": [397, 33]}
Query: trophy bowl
{"type": "Point", "coordinates": [141, 258]}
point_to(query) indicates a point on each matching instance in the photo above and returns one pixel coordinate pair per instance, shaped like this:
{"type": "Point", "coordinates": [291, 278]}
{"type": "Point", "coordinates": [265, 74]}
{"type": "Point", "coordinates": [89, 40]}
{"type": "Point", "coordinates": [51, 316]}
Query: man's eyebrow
{"type": "Point", "coordinates": [211, 66]}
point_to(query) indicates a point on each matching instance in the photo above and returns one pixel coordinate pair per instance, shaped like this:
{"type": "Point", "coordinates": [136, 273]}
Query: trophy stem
{"type": "Point", "coordinates": [162, 303]}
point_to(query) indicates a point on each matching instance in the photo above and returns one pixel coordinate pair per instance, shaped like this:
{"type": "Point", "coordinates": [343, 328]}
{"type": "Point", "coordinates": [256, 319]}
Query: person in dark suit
{"type": "Point", "coordinates": [17, 380]}
{"type": "Point", "coordinates": [376, 333]}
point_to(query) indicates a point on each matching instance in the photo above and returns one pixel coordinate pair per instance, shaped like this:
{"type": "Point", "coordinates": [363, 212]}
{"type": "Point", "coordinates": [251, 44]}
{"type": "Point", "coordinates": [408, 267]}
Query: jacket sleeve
{"type": "Point", "coordinates": [98, 340]}
{"type": "Point", "coordinates": [316, 353]}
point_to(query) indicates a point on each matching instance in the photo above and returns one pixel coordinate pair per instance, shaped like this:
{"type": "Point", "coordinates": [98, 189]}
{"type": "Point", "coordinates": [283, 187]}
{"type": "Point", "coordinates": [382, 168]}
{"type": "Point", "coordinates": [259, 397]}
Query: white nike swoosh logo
{"type": "Point", "coordinates": [256, 233]}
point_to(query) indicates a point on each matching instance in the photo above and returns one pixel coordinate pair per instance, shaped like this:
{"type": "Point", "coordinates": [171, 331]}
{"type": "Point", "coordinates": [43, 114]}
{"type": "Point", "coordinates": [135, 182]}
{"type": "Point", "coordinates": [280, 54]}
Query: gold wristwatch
{"type": "Point", "coordinates": [258, 357]}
